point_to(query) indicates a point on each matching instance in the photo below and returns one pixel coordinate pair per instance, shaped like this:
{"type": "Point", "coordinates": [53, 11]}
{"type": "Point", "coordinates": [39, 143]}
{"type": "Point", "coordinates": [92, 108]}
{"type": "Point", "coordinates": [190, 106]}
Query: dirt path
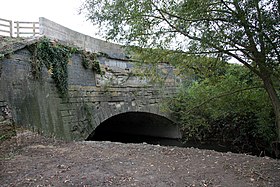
{"type": "Point", "coordinates": [32, 160]}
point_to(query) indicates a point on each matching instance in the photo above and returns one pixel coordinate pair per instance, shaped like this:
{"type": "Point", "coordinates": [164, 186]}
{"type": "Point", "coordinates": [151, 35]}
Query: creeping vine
{"type": "Point", "coordinates": [55, 57]}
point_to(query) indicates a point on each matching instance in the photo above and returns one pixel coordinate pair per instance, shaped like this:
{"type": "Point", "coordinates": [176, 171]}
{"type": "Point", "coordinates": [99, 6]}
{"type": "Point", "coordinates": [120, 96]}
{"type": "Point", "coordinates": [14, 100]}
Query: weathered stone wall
{"type": "Point", "coordinates": [34, 103]}
{"type": "Point", "coordinates": [78, 75]}
{"type": "Point", "coordinates": [92, 98]}
{"type": "Point", "coordinates": [89, 106]}
{"type": "Point", "coordinates": [117, 91]}
{"type": "Point", "coordinates": [56, 31]}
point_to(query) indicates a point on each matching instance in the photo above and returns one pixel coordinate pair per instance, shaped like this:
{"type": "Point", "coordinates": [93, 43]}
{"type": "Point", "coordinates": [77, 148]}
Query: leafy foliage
{"type": "Point", "coordinates": [89, 60]}
{"type": "Point", "coordinates": [231, 108]}
{"type": "Point", "coordinates": [187, 66]}
{"type": "Point", "coordinates": [194, 26]}
{"type": "Point", "coordinates": [55, 57]}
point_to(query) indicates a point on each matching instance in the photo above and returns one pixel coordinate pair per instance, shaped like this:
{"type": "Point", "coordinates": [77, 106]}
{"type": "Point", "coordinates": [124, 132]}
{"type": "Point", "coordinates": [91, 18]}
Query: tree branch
{"type": "Point", "coordinates": [219, 96]}
{"type": "Point", "coordinates": [252, 44]}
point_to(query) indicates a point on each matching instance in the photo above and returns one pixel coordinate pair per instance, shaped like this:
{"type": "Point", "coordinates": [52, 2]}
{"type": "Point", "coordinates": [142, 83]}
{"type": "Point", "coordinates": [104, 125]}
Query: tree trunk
{"type": "Point", "coordinates": [274, 100]}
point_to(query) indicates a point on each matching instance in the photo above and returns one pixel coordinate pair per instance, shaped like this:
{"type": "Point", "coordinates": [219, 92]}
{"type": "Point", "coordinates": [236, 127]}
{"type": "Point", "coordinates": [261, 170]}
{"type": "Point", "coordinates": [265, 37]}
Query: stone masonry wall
{"type": "Point", "coordinates": [34, 103]}
{"type": "Point", "coordinates": [92, 98]}
{"type": "Point", "coordinates": [117, 91]}
{"type": "Point", "coordinates": [89, 106]}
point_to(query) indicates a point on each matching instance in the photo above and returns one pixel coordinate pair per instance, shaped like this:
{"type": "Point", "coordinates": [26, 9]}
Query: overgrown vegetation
{"type": "Point", "coordinates": [221, 104]}
{"type": "Point", "coordinates": [55, 57]}
{"type": "Point", "coordinates": [247, 31]}
{"type": "Point", "coordinates": [89, 60]}
{"type": "Point", "coordinates": [229, 108]}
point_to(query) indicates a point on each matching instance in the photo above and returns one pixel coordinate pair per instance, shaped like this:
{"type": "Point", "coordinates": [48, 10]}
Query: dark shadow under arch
{"type": "Point", "coordinates": [137, 127]}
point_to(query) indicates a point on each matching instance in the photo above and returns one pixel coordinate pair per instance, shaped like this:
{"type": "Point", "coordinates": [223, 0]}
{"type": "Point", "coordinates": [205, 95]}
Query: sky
{"type": "Point", "coordinates": [64, 12]}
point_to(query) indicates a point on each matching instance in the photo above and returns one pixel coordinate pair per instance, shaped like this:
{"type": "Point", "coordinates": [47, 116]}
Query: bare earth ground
{"type": "Point", "coordinates": [32, 160]}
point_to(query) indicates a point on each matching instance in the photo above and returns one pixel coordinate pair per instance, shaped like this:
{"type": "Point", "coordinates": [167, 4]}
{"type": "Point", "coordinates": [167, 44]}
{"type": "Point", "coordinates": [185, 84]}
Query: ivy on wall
{"type": "Point", "coordinates": [89, 60]}
{"type": "Point", "coordinates": [55, 57]}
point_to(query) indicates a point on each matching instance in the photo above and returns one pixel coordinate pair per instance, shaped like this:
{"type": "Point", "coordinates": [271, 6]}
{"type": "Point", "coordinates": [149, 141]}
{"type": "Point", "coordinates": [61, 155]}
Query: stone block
{"type": "Point", "coordinates": [96, 119]}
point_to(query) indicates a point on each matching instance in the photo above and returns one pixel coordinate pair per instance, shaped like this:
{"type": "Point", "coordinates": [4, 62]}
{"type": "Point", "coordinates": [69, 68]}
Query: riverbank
{"type": "Point", "coordinates": [29, 159]}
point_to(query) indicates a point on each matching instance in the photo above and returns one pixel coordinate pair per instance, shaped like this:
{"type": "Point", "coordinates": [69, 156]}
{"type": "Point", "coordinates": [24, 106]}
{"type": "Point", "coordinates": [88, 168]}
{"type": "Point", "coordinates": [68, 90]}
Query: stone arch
{"type": "Point", "coordinates": [106, 110]}
{"type": "Point", "coordinates": [137, 124]}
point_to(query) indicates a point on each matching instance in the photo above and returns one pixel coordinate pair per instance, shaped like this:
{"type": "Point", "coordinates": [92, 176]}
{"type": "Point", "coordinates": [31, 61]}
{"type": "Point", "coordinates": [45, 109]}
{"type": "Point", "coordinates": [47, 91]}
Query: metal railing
{"type": "Point", "coordinates": [21, 28]}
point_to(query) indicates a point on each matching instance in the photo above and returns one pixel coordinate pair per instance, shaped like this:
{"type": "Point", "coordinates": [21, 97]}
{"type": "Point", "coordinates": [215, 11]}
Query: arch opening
{"type": "Point", "coordinates": [138, 127]}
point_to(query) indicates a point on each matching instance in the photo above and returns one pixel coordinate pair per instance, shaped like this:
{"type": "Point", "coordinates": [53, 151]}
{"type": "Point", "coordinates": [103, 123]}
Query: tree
{"type": "Point", "coordinates": [246, 30]}
{"type": "Point", "coordinates": [210, 111]}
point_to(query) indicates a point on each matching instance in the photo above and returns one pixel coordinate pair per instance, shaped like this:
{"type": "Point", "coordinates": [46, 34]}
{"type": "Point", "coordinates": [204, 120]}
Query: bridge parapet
{"type": "Point", "coordinates": [56, 31]}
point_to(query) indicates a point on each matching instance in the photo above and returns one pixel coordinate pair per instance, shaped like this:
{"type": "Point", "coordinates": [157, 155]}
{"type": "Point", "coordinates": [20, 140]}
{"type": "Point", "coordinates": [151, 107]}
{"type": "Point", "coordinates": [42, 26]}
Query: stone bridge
{"type": "Point", "coordinates": [117, 102]}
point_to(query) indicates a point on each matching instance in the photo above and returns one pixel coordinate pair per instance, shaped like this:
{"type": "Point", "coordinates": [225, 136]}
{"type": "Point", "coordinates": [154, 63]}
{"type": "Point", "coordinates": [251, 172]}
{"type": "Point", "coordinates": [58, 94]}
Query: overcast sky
{"type": "Point", "coordinates": [64, 12]}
